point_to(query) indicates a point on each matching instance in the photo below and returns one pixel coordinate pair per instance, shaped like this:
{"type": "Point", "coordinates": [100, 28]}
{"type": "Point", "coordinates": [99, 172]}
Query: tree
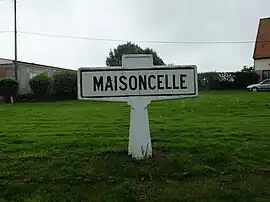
{"type": "Point", "coordinates": [248, 69]}
{"type": "Point", "coordinates": [115, 55]}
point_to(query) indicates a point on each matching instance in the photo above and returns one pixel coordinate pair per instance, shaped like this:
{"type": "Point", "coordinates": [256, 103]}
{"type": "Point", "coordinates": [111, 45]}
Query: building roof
{"type": "Point", "coordinates": [262, 45]}
{"type": "Point", "coordinates": [4, 61]}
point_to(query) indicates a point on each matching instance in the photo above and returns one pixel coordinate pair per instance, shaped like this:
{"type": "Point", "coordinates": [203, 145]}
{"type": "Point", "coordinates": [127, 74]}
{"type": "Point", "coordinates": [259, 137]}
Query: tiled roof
{"type": "Point", "coordinates": [262, 45]}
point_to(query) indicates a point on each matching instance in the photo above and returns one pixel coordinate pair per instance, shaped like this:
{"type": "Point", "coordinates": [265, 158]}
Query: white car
{"type": "Point", "coordinates": [262, 86]}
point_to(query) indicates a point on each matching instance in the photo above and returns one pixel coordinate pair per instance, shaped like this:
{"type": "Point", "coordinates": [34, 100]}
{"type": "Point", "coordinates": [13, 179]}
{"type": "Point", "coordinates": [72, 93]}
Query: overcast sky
{"type": "Point", "coordinates": [160, 20]}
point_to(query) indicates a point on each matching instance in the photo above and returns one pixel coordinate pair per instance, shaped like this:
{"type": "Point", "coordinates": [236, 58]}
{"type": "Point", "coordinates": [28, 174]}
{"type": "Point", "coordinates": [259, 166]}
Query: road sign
{"type": "Point", "coordinates": [158, 81]}
{"type": "Point", "coordinates": [138, 83]}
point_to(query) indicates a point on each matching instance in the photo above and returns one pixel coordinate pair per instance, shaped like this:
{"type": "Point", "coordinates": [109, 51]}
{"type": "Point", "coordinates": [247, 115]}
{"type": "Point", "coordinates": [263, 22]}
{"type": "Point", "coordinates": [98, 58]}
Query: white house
{"type": "Point", "coordinates": [261, 54]}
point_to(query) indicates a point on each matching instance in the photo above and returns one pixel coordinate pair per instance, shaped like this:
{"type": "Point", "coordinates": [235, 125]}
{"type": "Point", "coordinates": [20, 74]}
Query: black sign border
{"type": "Point", "coordinates": [136, 69]}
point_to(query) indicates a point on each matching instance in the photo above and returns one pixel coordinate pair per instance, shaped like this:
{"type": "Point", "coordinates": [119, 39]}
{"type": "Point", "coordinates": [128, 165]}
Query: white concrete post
{"type": "Point", "coordinates": [140, 146]}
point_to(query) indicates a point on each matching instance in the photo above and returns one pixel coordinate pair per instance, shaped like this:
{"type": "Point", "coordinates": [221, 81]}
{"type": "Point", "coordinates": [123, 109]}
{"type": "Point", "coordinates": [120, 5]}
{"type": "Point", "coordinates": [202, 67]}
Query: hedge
{"type": "Point", "coordinates": [8, 88]}
{"type": "Point", "coordinates": [226, 80]}
{"type": "Point", "coordinates": [65, 85]}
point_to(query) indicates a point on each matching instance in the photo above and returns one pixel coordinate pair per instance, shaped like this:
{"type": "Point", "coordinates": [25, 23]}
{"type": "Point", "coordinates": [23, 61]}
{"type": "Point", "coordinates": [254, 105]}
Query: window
{"type": "Point", "coordinates": [266, 82]}
{"type": "Point", "coordinates": [265, 74]}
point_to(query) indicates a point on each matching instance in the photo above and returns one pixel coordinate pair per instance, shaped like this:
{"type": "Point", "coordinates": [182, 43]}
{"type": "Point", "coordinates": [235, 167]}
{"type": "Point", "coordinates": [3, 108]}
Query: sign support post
{"type": "Point", "coordinates": [139, 133]}
{"type": "Point", "coordinates": [138, 83]}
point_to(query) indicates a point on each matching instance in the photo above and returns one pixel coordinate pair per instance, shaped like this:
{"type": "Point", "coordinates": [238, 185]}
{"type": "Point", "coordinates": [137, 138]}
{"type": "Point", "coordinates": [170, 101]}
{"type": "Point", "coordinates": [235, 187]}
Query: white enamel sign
{"type": "Point", "coordinates": [138, 83]}
{"type": "Point", "coordinates": [118, 82]}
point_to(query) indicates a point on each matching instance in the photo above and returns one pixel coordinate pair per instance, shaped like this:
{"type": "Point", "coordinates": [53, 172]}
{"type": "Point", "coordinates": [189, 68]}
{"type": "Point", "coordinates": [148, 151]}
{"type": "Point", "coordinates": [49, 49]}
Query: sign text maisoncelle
{"type": "Point", "coordinates": [164, 81]}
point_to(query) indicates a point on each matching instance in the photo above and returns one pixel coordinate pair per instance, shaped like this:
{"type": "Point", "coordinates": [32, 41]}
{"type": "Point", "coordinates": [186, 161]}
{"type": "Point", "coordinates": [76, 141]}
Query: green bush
{"type": "Point", "coordinates": [8, 87]}
{"type": "Point", "coordinates": [65, 85]}
{"type": "Point", "coordinates": [243, 79]}
{"type": "Point", "coordinates": [41, 85]}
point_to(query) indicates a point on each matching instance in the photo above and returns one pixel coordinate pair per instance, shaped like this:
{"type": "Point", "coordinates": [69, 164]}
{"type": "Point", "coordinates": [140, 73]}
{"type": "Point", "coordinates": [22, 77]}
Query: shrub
{"type": "Point", "coordinates": [8, 88]}
{"type": "Point", "coordinates": [65, 85]}
{"type": "Point", "coordinates": [41, 85]}
{"type": "Point", "coordinates": [243, 79]}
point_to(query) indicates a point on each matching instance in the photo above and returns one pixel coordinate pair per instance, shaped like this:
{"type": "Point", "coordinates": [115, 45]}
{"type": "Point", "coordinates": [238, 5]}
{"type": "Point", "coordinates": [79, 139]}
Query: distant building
{"type": "Point", "coordinates": [262, 49]}
{"type": "Point", "coordinates": [26, 71]}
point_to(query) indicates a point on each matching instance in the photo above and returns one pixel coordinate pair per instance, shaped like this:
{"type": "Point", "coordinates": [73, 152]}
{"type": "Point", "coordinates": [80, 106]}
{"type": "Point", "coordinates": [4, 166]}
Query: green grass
{"type": "Point", "coordinates": [212, 148]}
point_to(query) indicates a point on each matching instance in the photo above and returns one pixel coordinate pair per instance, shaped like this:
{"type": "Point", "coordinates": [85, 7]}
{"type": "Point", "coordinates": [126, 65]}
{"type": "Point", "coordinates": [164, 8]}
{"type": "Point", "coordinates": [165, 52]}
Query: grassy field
{"type": "Point", "coordinates": [212, 148]}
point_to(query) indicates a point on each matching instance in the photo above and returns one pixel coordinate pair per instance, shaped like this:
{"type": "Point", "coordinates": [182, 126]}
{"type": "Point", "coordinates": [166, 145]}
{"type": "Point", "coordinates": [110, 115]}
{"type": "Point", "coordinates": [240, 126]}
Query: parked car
{"type": "Point", "coordinates": [262, 86]}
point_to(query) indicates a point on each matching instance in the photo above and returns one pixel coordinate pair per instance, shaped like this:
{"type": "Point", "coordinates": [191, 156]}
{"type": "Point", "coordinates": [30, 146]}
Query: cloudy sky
{"type": "Point", "coordinates": [151, 20]}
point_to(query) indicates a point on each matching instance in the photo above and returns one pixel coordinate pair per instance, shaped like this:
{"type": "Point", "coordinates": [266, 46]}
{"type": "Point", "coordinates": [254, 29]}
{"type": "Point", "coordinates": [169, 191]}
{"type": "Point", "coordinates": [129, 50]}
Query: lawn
{"type": "Point", "coordinates": [212, 148]}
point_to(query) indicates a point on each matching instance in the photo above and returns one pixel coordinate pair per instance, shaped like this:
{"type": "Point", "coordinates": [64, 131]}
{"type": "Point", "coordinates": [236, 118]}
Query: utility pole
{"type": "Point", "coordinates": [15, 41]}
